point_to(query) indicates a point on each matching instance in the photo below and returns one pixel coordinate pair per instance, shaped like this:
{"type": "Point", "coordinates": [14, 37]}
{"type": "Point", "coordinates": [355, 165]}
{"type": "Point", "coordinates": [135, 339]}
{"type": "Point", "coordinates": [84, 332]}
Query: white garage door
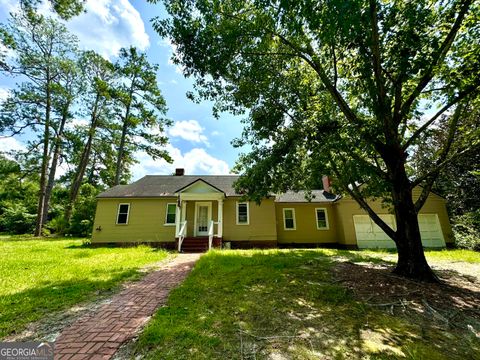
{"type": "Point", "coordinates": [430, 230]}
{"type": "Point", "coordinates": [370, 235]}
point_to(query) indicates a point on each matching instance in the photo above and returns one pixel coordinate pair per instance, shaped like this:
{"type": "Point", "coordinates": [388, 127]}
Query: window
{"type": "Point", "coordinates": [171, 212]}
{"type": "Point", "coordinates": [289, 219]}
{"type": "Point", "coordinates": [242, 213]}
{"type": "Point", "coordinates": [122, 216]}
{"type": "Point", "coordinates": [322, 218]}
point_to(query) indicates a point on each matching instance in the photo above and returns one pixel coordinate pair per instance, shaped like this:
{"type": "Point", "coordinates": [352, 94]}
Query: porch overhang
{"type": "Point", "coordinates": [198, 190]}
{"type": "Point", "coordinates": [199, 187]}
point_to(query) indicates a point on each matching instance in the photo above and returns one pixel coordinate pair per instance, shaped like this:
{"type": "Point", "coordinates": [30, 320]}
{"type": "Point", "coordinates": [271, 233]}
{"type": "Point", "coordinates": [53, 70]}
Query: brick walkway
{"type": "Point", "coordinates": [99, 335]}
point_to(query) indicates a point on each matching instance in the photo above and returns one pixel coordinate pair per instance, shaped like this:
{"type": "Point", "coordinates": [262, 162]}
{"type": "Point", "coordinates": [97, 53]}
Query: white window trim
{"type": "Point", "coordinates": [166, 214]}
{"type": "Point", "coordinates": [294, 220]}
{"type": "Point", "coordinates": [248, 213]}
{"type": "Point", "coordinates": [326, 219]}
{"type": "Point", "coordinates": [118, 213]}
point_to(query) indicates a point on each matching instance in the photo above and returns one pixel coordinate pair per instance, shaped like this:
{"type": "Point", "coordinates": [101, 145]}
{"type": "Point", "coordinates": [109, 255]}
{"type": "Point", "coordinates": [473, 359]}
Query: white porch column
{"type": "Point", "coordinates": [184, 214]}
{"type": "Point", "coordinates": [220, 218]}
{"type": "Point", "coordinates": [177, 220]}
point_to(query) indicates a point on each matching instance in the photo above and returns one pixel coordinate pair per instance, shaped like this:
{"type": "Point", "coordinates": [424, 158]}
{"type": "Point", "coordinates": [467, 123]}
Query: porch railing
{"type": "Point", "coordinates": [181, 234]}
{"type": "Point", "coordinates": [210, 234]}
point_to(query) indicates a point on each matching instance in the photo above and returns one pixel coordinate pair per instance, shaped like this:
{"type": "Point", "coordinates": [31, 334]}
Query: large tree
{"type": "Point", "coordinates": [98, 77]}
{"type": "Point", "coordinates": [140, 109]}
{"type": "Point", "coordinates": [347, 88]}
{"type": "Point", "coordinates": [66, 91]}
{"type": "Point", "coordinates": [41, 48]}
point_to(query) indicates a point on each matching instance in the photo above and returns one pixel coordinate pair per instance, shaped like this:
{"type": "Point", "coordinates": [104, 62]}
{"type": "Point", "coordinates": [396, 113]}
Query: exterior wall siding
{"type": "Point", "coordinates": [262, 225]}
{"type": "Point", "coordinates": [306, 225]}
{"type": "Point", "coordinates": [347, 207]}
{"type": "Point", "coordinates": [146, 221]}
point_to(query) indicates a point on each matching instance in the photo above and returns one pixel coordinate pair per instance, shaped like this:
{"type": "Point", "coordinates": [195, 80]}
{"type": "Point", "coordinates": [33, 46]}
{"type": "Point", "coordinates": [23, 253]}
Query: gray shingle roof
{"type": "Point", "coordinates": [168, 185]}
{"type": "Point", "coordinates": [318, 196]}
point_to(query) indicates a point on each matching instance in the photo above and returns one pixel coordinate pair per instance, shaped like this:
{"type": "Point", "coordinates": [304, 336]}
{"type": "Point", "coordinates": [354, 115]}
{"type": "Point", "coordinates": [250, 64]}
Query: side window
{"type": "Point", "coordinates": [122, 215]}
{"type": "Point", "coordinates": [243, 216]}
{"type": "Point", "coordinates": [171, 212]}
{"type": "Point", "coordinates": [322, 218]}
{"type": "Point", "coordinates": [289, 219]}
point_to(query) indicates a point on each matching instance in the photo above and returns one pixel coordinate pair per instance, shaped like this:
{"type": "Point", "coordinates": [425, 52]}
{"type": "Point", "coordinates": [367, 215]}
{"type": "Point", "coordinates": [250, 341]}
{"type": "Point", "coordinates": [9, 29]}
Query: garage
{"type": "Point", "coordinates": [430, 230]}
{"type": "Point", "coordinates": [370, 235]}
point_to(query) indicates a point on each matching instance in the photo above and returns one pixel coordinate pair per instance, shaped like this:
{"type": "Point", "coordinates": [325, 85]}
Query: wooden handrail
{"type": "Point", "coordinates": [181, 235]}
{"type": "Point", "coordinates": [210, 234]}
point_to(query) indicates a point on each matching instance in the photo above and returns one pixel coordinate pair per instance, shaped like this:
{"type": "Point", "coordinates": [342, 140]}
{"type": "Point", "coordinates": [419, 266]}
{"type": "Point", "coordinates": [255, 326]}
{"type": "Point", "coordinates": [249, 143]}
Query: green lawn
{"type": "Point", "coordinates": [283, 304]}
{"type": "Point", "coordinates": [39, 277]}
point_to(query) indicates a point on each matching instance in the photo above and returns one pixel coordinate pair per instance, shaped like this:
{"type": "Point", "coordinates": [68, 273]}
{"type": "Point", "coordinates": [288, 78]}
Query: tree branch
{"type": "Point", "coordinates": [308, 55]}
{"type": "Point", "coordinates": [438, 57]}
{"type": "Point", "coordinates": [444, 163]}
{"type": "Point", "coordinates": [377, 66]}
{"type": "Point", "coordinates": [443, 155]}
{"type": "Point", "coordinates": [421, 129]}
{"type": "Point", "coordinates": [335, 70]}
{"type": "Point", "coordinates": [355, 193]}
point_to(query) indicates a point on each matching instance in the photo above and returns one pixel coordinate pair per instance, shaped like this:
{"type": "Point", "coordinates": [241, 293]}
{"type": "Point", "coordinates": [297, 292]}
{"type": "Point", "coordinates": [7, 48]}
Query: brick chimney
{"type": "Point", "coordinates": [179, 172]}
{"type": "Point", "coordinates": [327, 184]}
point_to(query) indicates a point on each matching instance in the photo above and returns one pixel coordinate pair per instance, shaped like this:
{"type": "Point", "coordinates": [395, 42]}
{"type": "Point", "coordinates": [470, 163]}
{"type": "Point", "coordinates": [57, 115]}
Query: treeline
{"type": "Point", "coordinates": [84, 118]}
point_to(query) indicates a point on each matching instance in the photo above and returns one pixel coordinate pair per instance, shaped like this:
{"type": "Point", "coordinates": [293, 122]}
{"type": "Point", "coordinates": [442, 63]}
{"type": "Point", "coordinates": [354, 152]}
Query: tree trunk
{"type": "Point", "coordinates": [44, 169]}
{"type": "Point", "coordinates": [411, 258]}
{"type": "Point", "coordinates": [121, 148]}
{"type": "Point", "coordinates": [53, 167]}
{"type": "Point", "coordinates": [77, 181]}
{"type": "Point", "coordinates": [91, 174]}
{"type": "Point", "coordinates": [79, 174]}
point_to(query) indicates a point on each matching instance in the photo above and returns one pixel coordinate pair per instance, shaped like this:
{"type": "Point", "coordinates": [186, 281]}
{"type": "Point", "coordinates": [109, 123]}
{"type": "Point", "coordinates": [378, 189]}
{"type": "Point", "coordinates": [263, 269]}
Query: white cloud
{"type": "Point", "coordinates": [189, 130]}
{"type": "Point", "coordinates": [195, 162]}
{"type": "Point", "coordinates": [106, 25]}
{"type": "Point", "coordinates": [74, 123]}
{"type": "Point", "coordinates": [198, 161]}
{"type": "Point", "coordinates": [216, 133]}
{"type": "Point", "coordinates": [4, 94]}
{"type": "Point", "coordinates": [10, 144]}
{"type": "Point", "coordinates": [109, 25]}
{"type": "Point", "coordinates": [9, 5]}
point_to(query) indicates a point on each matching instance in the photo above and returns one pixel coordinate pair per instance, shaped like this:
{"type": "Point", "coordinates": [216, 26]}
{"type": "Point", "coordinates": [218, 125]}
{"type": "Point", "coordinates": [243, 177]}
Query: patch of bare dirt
{"type": "Point", "coordinates": [453, 304]}
{"type": "Point", "coordinates": [50, 327]}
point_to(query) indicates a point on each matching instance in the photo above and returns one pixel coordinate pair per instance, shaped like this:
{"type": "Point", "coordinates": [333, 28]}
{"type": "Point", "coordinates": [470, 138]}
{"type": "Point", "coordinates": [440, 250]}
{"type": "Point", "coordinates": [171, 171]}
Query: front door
{"type": "Point", "coordinates": [203, 216]}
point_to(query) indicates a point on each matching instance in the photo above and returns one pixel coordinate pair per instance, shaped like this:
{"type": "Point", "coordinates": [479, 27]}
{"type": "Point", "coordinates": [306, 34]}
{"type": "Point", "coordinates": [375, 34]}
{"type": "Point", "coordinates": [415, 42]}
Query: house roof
{"type": "Point", "coordinates": [318, 196]}
{"type": "Point", "coordinates": [183, 188]}
{"type": "Point", "coordinates": [169, 185]}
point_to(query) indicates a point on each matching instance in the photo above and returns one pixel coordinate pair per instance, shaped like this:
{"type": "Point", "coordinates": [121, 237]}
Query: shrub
{"type": "Point", "coordinates": [466, 230]}
{"type": "Point", "coordinates": [57, 225]}
{"type": "Point", "coordinates": [16, 219]}
{"type": "Point", "coordinates": [81, 223]}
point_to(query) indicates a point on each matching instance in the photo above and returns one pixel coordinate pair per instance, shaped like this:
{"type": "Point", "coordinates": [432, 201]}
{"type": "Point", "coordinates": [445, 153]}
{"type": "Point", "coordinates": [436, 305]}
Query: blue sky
{"type": "Point", "coordinates": [198, 142]}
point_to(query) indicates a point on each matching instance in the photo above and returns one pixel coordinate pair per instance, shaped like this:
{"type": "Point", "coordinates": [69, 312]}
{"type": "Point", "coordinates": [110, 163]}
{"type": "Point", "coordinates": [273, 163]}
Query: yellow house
{"type": "Point", "coordinates": [188, 212]}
